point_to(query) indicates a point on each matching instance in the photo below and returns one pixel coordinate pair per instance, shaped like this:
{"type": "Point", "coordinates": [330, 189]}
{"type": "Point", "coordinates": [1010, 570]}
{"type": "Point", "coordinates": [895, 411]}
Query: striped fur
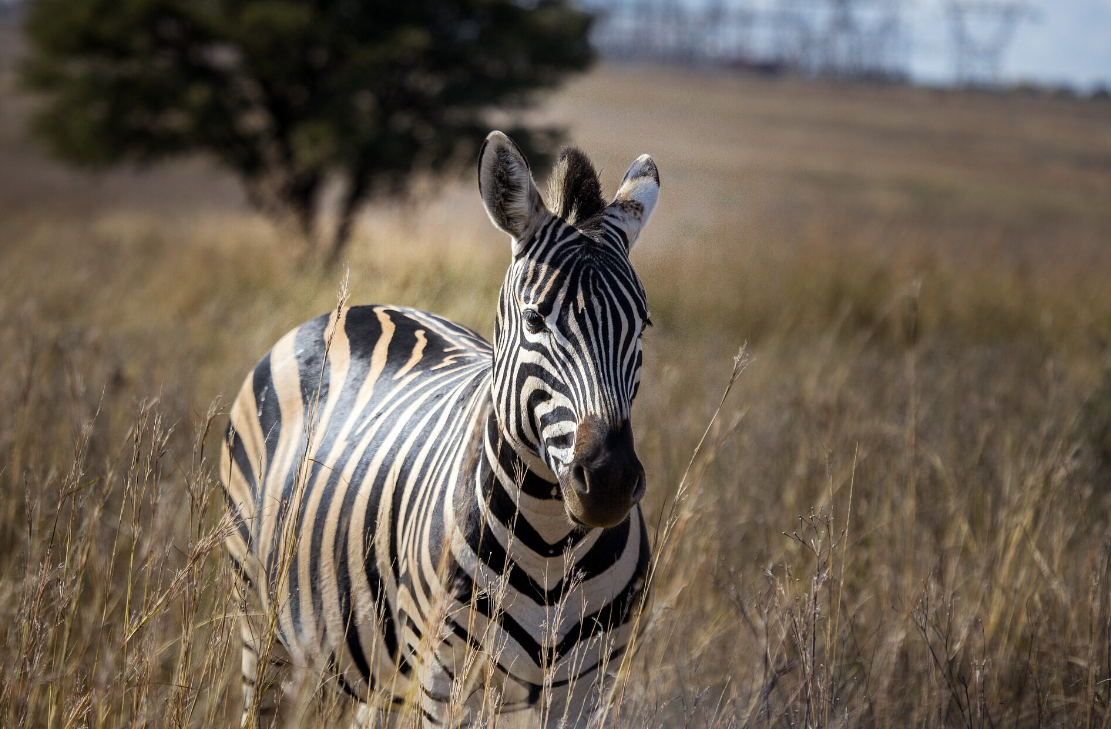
{"type": "Point", "coordinates": [399, 491]}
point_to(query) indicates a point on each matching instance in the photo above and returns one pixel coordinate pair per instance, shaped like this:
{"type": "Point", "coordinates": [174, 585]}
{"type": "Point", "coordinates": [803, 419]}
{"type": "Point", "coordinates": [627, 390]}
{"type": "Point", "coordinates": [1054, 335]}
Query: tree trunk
{"type": "Point", "coordinates": [356, 190]}
{"type": "Point", "coordinates": [301, 197]}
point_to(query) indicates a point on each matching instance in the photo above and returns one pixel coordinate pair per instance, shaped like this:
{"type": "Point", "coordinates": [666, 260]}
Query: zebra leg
{"type": "Point", "coordinates": [434, 701]}
{"type": "Point", "coordinates": [445, 681]}
{"type": "Point", "coordinates": [262, 689]}
{"type": "Point", "coordinates": [579, 705]}
{"type": "Point", "coordinates": [368, 717]}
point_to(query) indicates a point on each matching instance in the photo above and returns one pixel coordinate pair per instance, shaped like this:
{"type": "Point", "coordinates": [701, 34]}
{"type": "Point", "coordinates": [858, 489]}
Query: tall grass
{"type": "Point", "coordinates": [115, 591]}
{"type": "Point", "coordinates": [882, 525]}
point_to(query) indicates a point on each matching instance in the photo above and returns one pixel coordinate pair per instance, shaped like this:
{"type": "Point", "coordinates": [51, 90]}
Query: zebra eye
{"type": "Point", "coordinates": [534, 322]}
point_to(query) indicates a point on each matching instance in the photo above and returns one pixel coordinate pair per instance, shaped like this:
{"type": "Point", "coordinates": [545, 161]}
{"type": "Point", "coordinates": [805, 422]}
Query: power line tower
{"type": "Point", "coordinates": [851, 39]}
{"type": "Point", "coordinates": [981, 30]}
{"type": "Point", "coordinates": [848, 38]}
{"type": "Point", "coordinates": [841, 48]}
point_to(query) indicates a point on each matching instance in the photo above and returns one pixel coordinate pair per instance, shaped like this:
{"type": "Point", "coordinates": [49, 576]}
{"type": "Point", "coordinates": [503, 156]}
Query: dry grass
{"type": "Point", "coordinates": [898, 518]}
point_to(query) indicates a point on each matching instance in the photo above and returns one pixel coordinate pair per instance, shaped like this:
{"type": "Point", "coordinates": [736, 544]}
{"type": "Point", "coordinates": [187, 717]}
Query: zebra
{"type": "Point", "coordinates": [439, 525]}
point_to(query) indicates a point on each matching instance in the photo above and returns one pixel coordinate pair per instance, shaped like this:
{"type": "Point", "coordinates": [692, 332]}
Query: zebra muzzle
{"type": "Point", "coordinates": [605, 479]}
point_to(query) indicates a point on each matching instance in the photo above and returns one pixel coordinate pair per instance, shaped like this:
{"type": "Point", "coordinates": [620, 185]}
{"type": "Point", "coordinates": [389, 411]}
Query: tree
{"type": "Point", "coordinates": [293, 94]}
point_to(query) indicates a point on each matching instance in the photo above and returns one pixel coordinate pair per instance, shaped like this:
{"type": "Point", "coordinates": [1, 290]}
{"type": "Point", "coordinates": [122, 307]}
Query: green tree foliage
{"type": "Point", "coordinates": [291, 94]}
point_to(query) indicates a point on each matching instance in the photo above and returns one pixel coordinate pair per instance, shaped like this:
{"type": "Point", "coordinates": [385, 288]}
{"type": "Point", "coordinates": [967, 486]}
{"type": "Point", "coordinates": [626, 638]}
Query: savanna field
{"type": "Point", "coordinates": [898, 517]}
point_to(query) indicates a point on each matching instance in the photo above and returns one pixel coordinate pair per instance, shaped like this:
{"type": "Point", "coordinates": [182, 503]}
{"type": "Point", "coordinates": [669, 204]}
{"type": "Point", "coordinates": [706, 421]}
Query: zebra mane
{"type": "Point", "coordinates": [574, 190]}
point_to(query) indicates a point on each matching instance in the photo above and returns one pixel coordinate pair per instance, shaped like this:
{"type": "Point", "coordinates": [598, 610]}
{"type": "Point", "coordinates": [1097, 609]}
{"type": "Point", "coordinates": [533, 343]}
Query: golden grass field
{"type": "Point", "coordinates": [923, 281]}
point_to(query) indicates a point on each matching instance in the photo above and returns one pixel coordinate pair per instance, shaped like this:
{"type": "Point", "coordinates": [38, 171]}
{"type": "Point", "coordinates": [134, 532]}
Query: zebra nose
{"type": "Point", "coordinates": [605, 465]}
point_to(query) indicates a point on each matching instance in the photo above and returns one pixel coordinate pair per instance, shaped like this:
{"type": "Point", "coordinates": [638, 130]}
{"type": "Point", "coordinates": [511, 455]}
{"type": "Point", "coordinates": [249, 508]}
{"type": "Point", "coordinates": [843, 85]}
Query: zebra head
{"type": "Point", "coordinates": [567, 349]}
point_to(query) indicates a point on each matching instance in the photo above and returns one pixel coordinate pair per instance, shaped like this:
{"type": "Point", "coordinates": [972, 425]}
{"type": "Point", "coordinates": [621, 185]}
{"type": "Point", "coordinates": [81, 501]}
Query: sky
{"type": "Point", "coordinates": [1065, 42]}
{"type": "Point", "coordinates": [1068, 41]}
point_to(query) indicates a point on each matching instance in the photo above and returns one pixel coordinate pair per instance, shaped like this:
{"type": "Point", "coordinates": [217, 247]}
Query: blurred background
{"type": "Point", "coordinates": [902, 209]}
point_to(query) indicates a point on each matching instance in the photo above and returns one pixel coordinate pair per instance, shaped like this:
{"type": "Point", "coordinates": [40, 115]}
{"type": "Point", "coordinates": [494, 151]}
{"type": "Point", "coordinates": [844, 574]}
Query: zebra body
{"type": "Point", "coordinates": [439, 527]}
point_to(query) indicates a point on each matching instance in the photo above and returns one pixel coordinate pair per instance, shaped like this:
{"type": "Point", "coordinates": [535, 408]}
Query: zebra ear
{"type": "Point", "coordinates": [508, 191]}
{"type": "Point", "coordinates": [635, 200]}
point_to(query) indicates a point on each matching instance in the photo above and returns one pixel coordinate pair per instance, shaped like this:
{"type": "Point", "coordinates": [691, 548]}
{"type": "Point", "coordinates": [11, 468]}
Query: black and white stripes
{"type": "Point", "coordinates": [444, 529]}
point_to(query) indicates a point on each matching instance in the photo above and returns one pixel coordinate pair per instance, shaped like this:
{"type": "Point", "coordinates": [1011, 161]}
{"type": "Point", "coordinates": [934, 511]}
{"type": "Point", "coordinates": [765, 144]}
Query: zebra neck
{"type": "Point", "coordinates": [523, 499]}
